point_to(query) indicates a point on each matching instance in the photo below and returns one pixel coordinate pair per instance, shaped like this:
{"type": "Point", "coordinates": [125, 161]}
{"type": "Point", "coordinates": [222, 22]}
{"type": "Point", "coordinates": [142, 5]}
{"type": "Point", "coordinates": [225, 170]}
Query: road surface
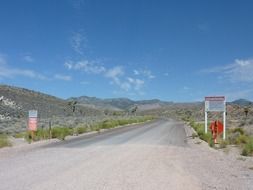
{"type": "Point", "coordinates": [155, 156]}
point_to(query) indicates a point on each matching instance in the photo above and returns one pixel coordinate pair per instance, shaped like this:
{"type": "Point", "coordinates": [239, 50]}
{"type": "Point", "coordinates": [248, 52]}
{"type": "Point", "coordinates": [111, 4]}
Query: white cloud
{"type": "Point", "coordinates": [239, 71]}
{"type": "Point", "coordinates": [145, 73]}
{"type": "Point", "coordinates": [62, 77]}
{"type": "Point", "coordinates": [86, 66]}
{"type": "Point", "coordinates": [9, 72]}
{"type": "Point", "coordinates": [115, 72]}
{"type": "Point", "coordinates": [136, 72]}
{"type": "Point", "coordinates": [28, 58]}
{"type": "Point", "coordinates": [68, 64]}
{"type": "Point", "coordinates": [78, 42]}
{"type": "Point", "coordinates": [116, 75]}
{"type": "Point", "coordinates": [137, 83]}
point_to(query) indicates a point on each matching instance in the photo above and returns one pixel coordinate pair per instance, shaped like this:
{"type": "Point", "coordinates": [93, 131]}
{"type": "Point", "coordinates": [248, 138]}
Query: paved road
{"type": "Point", "coordinates": [148, 156]}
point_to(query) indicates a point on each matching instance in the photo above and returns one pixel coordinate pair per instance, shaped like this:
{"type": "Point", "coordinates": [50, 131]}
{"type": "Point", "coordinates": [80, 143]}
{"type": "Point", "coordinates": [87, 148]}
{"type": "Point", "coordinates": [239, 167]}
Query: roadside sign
{"type": "Point", "coordinates": [32, 124]}
{"type": "Point", "coordinates": [33, 113]}
{"type": "Point", "coordinates": [32, 120]}
{"type": "Point", "coordinates": [216, 104]}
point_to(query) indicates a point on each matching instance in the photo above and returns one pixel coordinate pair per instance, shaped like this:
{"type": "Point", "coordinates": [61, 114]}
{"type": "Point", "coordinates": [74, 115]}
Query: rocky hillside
{"type": "Point", "coordinates": [15, 103]}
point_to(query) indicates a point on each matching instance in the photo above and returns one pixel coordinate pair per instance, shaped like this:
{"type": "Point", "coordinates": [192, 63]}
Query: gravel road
{"type": "Point", "coordinates": [157, 155]}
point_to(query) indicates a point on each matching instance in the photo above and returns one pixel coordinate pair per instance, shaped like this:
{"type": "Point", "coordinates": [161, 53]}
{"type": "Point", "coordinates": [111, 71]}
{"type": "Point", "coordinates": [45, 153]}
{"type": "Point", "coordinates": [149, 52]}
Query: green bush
{"type": "Point", "coordinates": [248, 148]}
{"type": "Point", "coordinates": [241, 139]}
{"type": "Point", "coordinates": [81, 130]}
{"type": "Point", "coordinates": [61, 132]}
{"type": "Point", "coordinates": [239, 130]}
{"type": "Point", "coordinates": [20, 135]}
{"type": "Point", "coordinates": [4, 141]}
{"type": "Point", "coordinates": [41, 134]}
{"type": "Point", "coordinates": [199, 128]}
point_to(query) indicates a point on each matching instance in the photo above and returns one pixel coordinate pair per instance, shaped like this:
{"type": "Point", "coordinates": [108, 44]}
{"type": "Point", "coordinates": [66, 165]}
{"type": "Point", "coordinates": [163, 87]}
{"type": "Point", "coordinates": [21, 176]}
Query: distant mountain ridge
{"type": "Point", "coordinates": [242, 102]}
{"type": "Point", "coordinates": [119, 103]}
{"type": "Point", "coordinates": [15, 102]}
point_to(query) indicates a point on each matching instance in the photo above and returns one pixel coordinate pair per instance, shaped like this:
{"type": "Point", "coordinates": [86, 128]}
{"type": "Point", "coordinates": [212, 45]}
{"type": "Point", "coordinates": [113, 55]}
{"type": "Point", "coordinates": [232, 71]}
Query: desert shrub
{"type": "Point", "coordinates": [60, 132]}
{"type": "Point", "coordinates": [199, 128]}
{"type": "Point", "coordinates": [242, 139]}
{"type": "Point", "coordinates": [232, 137]}
{"type": "Point", "coordinates": [20, 135]}
{"type": "Point", "coordinates": [223, 143]}
{"type": "Point", "coordinates": [248, 148]}
{"type": "Point", "coordinates": [239, 130]}
{"type": "Point", "coordinates": [96, 127]}
{"type": "Point", "coordinates": [107, 124]}
{"type": "Point", "coordinates": [123, 122]}
{"type": "Point", "coordinates": [81, 130]}
{"type": "Point", "coordinates": [4, 141]}
{"type": "Point", "coordinates": [42, 134]}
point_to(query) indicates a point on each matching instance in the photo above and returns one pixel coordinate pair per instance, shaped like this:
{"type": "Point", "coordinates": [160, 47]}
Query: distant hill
{"type": "Point", "coordinates": [15, 103]}
{"type": "Point", "coordinates": [122, 104]}
{"type": "Point", "coordinates": [242, 102]}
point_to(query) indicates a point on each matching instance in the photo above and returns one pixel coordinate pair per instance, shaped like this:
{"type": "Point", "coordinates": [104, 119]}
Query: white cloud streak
{"type": "Point", "coordinates": [63, 77]}
{"type": "Point", "coordinates": [78, 42]}
{"type": "Point", "coordinates": [116, 75]}
{"type": "Point", "coordinates": [28, 58]}
{"type": "Point", "coordinates": [9, 72]}
{"type": "Point", "coordinates": [144, 72]}
{"type": "Point", "coordinates": [239, 71]}
{"type": "Point", "coordinates": [85, 66]}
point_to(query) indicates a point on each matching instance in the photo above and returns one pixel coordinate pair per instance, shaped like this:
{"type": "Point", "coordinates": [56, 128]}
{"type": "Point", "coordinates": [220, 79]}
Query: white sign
{"type": "Point", "coordinates": [33, 113]}
{"type": "Point", "coordinates": [215, 104]}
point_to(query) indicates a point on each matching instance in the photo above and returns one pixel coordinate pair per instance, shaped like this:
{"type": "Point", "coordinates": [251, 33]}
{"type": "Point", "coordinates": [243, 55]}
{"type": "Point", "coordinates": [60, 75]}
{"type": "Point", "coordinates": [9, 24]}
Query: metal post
{"type": "Point", "coordinates": [224, 125]}
{"type": "Point", "coordinates": [205, 122]}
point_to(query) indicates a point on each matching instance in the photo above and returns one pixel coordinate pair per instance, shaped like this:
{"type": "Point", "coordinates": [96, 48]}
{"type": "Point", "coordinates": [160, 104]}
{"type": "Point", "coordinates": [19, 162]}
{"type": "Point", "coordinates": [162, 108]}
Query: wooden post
{"type": "Point", "coordinates": [50, 131]}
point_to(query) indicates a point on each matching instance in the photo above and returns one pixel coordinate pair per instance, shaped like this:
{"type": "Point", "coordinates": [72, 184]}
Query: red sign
{"type": "Point", "coordinates": [216, 129]}
{"type": "Point", "coordinates": [32, 124]}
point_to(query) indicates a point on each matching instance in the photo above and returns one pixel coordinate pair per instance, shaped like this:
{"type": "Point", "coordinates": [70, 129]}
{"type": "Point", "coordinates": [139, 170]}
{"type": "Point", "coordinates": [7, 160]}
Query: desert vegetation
{"type": "Point", "coordinates": [61, 131]}
{"type": "Point", "coordinates": [235, 136]}
{"type": "Point", "coordinates": [4, 141]}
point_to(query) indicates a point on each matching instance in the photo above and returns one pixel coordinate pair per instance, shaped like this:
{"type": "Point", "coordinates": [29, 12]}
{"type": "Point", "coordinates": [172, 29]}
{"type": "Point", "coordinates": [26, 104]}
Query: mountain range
{"type": "Point", "coordinates": [15, 102]}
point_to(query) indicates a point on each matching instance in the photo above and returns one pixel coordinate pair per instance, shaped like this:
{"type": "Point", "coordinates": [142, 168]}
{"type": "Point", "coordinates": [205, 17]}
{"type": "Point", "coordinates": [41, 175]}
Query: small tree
{"type": "Point", "coordinates": [133, 111]}
{"type": "Point", "coordinates": [246, 111]}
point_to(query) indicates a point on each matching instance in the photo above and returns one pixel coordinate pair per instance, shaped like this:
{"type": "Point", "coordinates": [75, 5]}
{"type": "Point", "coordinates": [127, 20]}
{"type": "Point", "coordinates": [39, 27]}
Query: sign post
{"type": "Point", "coordinates": [216, 104]}
{"type": "Point", "coordinates": [32, 122]}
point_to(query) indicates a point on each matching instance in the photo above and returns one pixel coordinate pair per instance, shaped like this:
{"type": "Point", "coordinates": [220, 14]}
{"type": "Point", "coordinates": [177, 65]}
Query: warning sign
{"type": "Point", "coordinates": [32, 120]}
{"type": "Point", "coordinates": [215, 104]}
{"type": "Point", "coordinates": [32, 124]}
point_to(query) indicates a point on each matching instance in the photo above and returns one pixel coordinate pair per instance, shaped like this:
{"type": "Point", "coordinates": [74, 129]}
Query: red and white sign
{"type": "Point", "coordinates": [32, 124]}
{"type": "Point", "coordinates": [33, 120]}
{"type": "Point", "coordinates": [216, 104]}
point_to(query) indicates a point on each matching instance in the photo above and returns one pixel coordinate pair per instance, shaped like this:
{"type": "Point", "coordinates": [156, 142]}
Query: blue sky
{"type": "Point", "coordinates": [171, 50]}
